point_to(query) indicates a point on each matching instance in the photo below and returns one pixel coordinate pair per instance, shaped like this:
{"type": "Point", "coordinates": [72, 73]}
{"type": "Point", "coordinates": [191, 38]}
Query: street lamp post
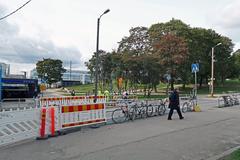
{"type": "Point", "coordinates": [212, 69]}
{"type": "Point", "coordinates": [97, 55]}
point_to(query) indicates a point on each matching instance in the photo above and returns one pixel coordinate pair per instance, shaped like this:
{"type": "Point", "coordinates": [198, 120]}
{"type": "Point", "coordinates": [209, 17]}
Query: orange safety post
{"type": "Point", "coordinates": [43, 124]}
{"type": "Point", "coordinates": [52, 122]}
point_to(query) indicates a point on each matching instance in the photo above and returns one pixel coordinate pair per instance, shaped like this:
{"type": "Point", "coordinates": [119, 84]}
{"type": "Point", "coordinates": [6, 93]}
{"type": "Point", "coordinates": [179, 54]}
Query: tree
{"type": "Point", "coordinates": [172, 52]}
{"type": "Point", "coordinates": [136, 43]}
{"type": "Point", "coordinates": [50, 70]}
{"type": "Point", "coordinates": [234, 68]}
{"type": "Point", "coordinates": [179, 29]}
{"type": "Point", "coordinates": [105, 65]}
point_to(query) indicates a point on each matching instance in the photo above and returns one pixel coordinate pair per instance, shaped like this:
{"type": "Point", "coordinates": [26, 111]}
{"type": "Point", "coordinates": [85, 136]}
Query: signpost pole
{"type": "Point", "coordinates": [195, 69]}
{"type": "Point", "coordinates": [0, 83]}
{"type": "Point", "coordinates": [196, 86]}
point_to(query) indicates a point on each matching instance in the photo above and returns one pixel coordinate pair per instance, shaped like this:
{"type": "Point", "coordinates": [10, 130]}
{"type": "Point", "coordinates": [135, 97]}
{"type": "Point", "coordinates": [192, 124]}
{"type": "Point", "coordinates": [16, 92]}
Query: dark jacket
{"type": "Point", "coordinates": [174, 100]}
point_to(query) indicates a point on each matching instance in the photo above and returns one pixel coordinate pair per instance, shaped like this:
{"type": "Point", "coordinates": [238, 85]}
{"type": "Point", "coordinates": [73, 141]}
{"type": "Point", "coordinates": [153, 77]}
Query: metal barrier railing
{"type": "Point", "coordinates": [17, 125]}
{"type": "Point", "coordinates": [50, 116]}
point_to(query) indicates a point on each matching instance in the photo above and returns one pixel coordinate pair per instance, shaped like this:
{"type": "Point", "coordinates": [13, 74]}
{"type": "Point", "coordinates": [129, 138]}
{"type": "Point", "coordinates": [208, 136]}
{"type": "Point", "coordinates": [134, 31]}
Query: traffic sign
{"type": "Point", "coordinates": [168, 77]}
{"type": "Point", "coordinates": [195, 67]}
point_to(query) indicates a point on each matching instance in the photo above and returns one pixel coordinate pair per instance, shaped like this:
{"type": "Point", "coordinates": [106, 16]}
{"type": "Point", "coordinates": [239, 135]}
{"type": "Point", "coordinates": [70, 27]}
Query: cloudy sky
{"type": "Point", "coordinates": [66, 29]}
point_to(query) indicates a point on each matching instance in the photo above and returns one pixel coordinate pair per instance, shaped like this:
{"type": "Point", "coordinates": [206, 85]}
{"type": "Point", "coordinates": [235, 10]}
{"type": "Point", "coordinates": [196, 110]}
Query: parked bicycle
{"type": "Point", "coordinates": [124, 113]}
{"type": "Point", "coordinates": [235, 99]}
{"type": "Point", "coordinates": [162, 106]}
{"type": "Point", "coordinates": [143, 109]}
{"type": "Point", "coordinates": [228, 100]}
{"type": "Point", "coordinates": [189, 105]}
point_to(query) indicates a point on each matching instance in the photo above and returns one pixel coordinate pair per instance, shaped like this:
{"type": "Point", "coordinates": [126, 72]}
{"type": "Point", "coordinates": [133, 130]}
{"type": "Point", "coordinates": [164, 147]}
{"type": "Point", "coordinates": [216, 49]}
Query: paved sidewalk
{"type": "Point", "coordinates": [198, 137]}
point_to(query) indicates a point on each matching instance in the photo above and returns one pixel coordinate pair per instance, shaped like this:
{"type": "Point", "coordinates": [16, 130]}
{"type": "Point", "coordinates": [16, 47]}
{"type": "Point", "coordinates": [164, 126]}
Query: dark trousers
{"type": "Point", "coordinates": [171, 112]}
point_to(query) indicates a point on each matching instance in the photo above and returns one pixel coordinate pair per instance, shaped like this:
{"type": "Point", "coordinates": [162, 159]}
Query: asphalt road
{"type": "Point", "coordinates": [198, 137]}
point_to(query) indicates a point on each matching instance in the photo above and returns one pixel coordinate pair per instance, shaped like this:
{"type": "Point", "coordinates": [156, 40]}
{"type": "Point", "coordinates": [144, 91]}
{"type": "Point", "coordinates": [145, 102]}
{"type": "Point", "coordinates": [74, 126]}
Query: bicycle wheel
{"type": "Point", "coordinates": [149, 110]}
{"type": "Point", "coordinates": [143, 112]}
{"type": "Point", "coordinates": [132, 113]}
{"type": "Point", "coordinates": [185, 107]}
{"type": "Point", "coordinates": [161, 109]}
{"type": "Point", "coordinates": [119, 116]}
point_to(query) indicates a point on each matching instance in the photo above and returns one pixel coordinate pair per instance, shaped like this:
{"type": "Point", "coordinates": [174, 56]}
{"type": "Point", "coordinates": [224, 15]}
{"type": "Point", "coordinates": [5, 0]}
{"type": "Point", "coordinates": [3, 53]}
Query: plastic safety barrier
{"type": "Point", "coordinates": [17, 125]}
{"type": "Point", "coordinates": [73, 116]}
{"type": "Point", "coordinates": [69, 100]}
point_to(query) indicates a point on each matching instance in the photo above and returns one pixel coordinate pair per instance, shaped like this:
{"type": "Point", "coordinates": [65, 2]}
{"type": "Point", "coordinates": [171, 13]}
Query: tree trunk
{"type": "Point", "coordinates": [200, 82]}
{"type": "Point", "coordinates": [125, 85]}
{"type": "Point", "coordinates": [172, 82]}
{"type": "Point", "coordinates": [222, 80]}
{"type": "Point", "coordinates": [155, 88]}
{"type": "Point", "coordinates": [145, 90]}
{"type": "Point", "coordinates": [184, 85]}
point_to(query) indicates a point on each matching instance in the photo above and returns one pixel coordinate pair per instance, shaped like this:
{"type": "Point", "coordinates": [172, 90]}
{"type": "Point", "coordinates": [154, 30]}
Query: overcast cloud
{"type": "Point", "coordinates": [228, 16]}
{"type": "Point", "coordinates": [62, 28]}
{"type": "Point", "coordinates": [16, 48]}
{"type": "Point", "coordinates": [226, 20]}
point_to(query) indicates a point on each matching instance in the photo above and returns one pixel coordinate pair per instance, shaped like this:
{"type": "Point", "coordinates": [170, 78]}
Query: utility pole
{"type": "Point", "coordinates": [212, 69]}
{"type": "Point", "coordinates": [97, 56]}
{"type": "Point", "coordinates": [70, 71]}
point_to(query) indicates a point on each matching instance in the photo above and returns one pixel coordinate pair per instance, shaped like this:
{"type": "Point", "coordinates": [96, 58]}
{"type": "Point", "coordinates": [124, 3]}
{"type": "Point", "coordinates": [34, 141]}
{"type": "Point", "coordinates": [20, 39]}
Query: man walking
{"type": "Point", "coordinates": [174, 104]}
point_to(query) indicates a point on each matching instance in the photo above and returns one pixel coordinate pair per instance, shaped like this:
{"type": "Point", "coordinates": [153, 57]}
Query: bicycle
{"type": "Point", "coordinates": [124, 113]}
{"type": "Point", "coordinates": [235, 99]}
{"type": "Point", "coordinates": [162, 107]}
{"type": "Point", "coordinates": [145, 110]}
{"type": "Point", "coordinates": [189, 105]}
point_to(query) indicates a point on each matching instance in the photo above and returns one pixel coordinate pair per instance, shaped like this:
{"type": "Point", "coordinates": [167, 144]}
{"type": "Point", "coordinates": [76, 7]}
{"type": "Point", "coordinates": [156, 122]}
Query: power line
{"type": "Point", "coordinates": [15, 10]}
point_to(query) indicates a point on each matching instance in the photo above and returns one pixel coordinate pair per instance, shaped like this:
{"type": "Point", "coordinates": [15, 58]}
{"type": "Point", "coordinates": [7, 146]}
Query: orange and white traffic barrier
{"type": "Point", "coordinates": [81, 115]}
{"type": "Point", "coordinates": [55, 119]}
{"type": "Point", "coordinates": [70, 100]}
{"type": "Point", "coordinates": [42, 129]}
{"type": "Point", "coordinates": [100, 99]}
{"type": "Point", "coordinates": [53, 122]}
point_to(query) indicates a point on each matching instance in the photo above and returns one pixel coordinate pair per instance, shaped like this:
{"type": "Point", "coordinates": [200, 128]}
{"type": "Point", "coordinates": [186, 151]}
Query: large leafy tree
{"type": "Point", "coordinates": [172, 52]}
{"type": "Point", "coordinates": [50, 70]}
{"type": "Point", "coordinates": [178, 29]}
{"type": "Point", "coordinates": [139, 64]}
{"type": "Point", "coordinates": [235, 72]}
{"type": "Point", "coordinates": [108, 64]}
{"type": "Point", "coordinates": [146, 55]}
{"type": "Point", "coordinates": [136, 43]}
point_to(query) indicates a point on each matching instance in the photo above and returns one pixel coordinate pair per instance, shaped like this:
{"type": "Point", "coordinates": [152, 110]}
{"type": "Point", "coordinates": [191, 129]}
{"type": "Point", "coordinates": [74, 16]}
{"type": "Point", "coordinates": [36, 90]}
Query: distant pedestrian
{"type": "Point", "coordinates": [125, 95]}
{"type": "Point", "coordinates": [174, 104]}
{"type": "Point", "coordinates": [73, 93]}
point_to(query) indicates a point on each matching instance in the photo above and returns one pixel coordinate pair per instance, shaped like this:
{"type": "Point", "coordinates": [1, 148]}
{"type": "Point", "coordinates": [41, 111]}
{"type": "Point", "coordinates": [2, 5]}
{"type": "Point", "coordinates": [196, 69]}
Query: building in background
{"type": "Point", "coordinates": [77, 75]}
{"type": "Point", "coordinates": [14, 86]}
{"type": "Point", "coordinates": [33, 74]}
{"type": "Point", "coordinates": [70, 77]}
{"type": "Point", "coordinates": [5, 69]}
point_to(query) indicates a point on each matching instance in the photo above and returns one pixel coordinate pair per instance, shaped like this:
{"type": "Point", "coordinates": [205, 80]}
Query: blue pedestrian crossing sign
{"type": "Point", "coordinates": [195, 67]}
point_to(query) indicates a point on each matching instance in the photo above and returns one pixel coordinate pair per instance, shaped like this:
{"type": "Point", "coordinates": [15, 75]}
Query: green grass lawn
{"type": "Point", "coordinates": [82, 89]}
{"type": "Point", "coordinates": [229, 86]}
{"type": "Point", "coordinates": [233, 156]}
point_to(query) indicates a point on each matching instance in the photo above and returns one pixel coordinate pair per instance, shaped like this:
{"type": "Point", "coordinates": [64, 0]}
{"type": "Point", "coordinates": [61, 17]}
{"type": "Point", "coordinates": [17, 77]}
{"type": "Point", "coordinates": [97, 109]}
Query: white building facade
{"type": "Point", "coordinates": [70, 75]}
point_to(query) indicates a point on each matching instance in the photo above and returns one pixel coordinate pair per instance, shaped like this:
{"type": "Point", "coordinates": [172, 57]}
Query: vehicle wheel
{"type": "Point", "coordinates": [185, 107]}
{"type": "Point", "coordinates": [161, 109]}
{"type": "Point", "coordinates": [132, 113]}
{"type": "Point", "coordinates": [149, 110]}
{"type": "Point", "coordinates": [119, 116]}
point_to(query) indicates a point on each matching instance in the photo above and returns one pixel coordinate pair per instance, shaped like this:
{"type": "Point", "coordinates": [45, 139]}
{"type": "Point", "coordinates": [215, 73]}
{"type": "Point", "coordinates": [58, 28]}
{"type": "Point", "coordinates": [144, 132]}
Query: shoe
{"type": "Point", "coordinates": [182, 118]}
{"type": "Point", "coordinates": [169, 119]}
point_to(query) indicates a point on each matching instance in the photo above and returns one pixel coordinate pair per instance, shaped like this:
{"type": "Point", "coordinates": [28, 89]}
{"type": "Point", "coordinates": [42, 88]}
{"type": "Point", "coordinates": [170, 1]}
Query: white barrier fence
{"type": "Point", "coordinates": [51, 116]}
{"type": "Point", "coordinates": [81, 115]}
{"type": "Point", "coordinates": [17, 125]}
{"type": "Point", "coordinates": [73, 100]}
